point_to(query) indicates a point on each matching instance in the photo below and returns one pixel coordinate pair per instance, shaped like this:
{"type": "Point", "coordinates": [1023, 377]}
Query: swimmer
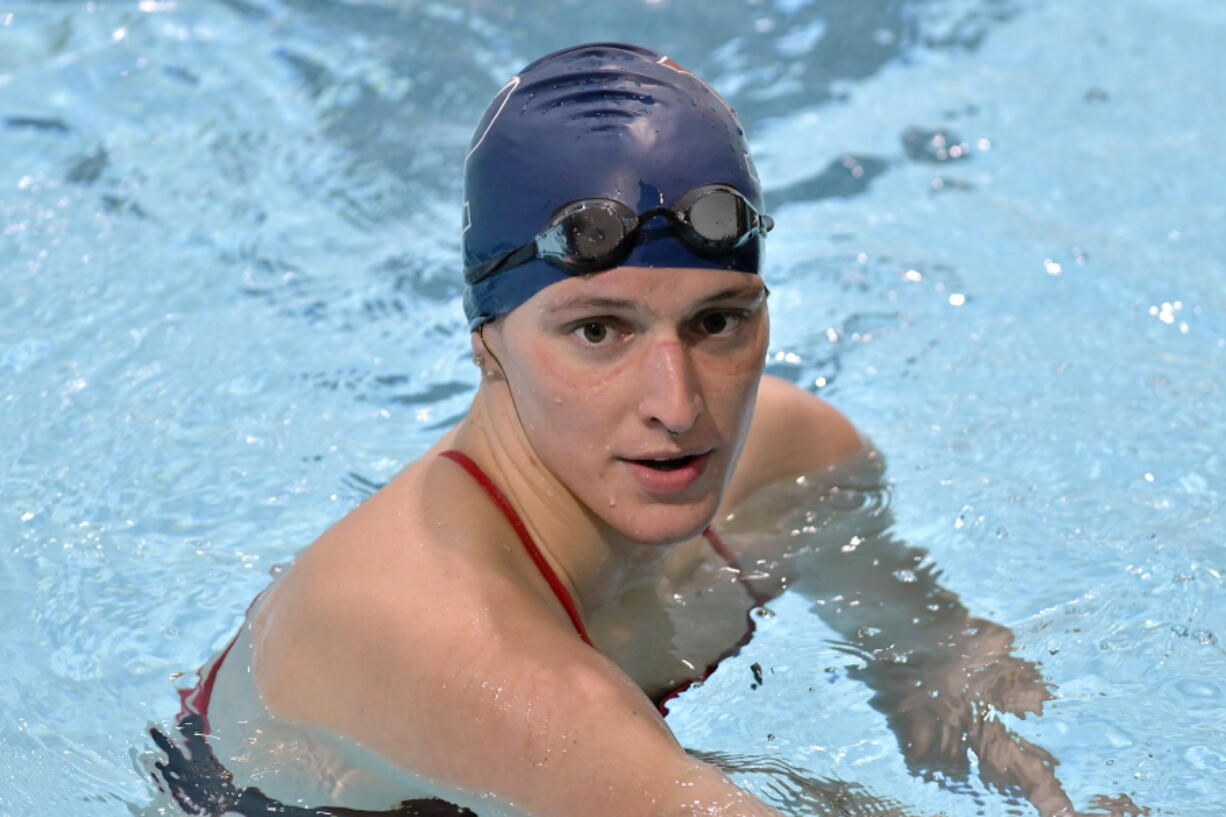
{"type": "Point", "coordinates": [499, 629]}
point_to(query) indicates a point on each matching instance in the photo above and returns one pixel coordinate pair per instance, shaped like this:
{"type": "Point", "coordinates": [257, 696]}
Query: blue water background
{"type": "Point", "coordinates": [229, 305]}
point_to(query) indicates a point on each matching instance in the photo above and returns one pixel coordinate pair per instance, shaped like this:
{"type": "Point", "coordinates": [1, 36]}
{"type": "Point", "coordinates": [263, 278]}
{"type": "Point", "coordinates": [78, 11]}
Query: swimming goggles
{"type": "Point", "coordinates": [596, 234]}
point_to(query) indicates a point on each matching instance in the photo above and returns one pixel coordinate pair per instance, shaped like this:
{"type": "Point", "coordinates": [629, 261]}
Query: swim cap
{"type": "Point", "coordinates": [603, 120]}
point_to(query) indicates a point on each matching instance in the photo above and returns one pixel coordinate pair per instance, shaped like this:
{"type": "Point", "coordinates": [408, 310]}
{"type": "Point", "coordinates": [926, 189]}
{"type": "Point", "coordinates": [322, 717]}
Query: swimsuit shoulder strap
{"type": "Point", "coordinates": [720, 547]}
{"type": "Point", "coordinates": [759, 598]}
{"type": "Point", "coordinates": [555, 584]}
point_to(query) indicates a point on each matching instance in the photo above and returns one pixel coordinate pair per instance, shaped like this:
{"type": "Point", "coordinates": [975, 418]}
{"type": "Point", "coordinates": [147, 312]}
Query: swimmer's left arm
{"type": "Point", "coordinates": [850, 566]}
{"type": "Point", "coordinates": [936, 670]}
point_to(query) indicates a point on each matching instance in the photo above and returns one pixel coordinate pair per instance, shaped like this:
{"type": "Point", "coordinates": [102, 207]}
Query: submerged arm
{"type": "Point", "coordinates": [938, 673]}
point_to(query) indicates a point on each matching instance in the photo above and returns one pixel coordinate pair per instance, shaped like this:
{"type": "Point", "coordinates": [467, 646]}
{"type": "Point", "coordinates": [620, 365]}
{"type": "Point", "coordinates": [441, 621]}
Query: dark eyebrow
{"type": "Point", "coordinates": [753, 292]}
{"type": "Point", "coordinates": [626, 303]}
{"type": "Point", "coordinates": [596, 302]}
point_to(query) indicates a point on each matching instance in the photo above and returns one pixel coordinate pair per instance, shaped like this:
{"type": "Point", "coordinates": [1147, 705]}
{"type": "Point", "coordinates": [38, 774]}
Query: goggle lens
{"type": "Point", "coordinates": [586, 235]}
{"type": "Point", "coordinates": [595, 232]}
{"type": "Point", "coordinates": [719, 217]}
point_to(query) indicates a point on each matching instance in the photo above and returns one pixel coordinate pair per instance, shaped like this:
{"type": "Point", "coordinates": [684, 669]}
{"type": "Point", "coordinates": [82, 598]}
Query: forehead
{"type": "Point", "coordinates": [655, 290]}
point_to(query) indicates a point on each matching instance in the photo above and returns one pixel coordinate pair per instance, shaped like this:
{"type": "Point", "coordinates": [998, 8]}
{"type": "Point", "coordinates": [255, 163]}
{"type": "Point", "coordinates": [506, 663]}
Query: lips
{"type": "Point", "coordinates": [665, 475]}
{"type": "Point", "coordinates": [667, 464]}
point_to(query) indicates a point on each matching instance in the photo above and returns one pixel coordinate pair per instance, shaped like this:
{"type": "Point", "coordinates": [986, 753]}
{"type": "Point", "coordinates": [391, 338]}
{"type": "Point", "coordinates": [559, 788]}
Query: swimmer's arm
{"type": "Point", "coordinates": [800, 453]}
{"type": "Point", "coordinates": [914, 637]}
{"type": "Point", "coordinates": [936, 670]}
{"type": "Point", "coordinates": [486, 697]}
{"type": "Point", "coordinates": [882, 596]}
{"type": "Point", "coordinates": [798, 450]}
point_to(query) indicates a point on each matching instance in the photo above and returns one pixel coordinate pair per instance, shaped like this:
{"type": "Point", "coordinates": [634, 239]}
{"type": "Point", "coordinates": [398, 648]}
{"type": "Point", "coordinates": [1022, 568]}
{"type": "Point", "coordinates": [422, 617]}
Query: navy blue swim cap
{"type": "Point", "coordinates": [603, 120]}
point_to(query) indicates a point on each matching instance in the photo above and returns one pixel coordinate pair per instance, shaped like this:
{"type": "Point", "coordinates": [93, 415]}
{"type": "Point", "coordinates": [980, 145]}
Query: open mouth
{"type": "Point", "coordinates": [667, 465]}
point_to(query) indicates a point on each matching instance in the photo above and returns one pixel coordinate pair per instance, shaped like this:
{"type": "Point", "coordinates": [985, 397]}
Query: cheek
{"type": "Point", "coordinates": [747, 359]}
{"type": "Point", "coordinates": [565, 381]}
{"type": "Point", "coordinates": [557, 406]}
{"type": "Point", "coordinates": [732, 379]}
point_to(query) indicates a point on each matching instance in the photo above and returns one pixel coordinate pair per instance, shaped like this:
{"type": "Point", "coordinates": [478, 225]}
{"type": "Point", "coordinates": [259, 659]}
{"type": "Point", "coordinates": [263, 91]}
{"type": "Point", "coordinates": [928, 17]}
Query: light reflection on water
{"type": "Point", "coordinates": [228, 306]}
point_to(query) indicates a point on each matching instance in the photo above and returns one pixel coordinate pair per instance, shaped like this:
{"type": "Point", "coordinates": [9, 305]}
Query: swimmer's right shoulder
{"type": "Point", "coordinates": [454, 674]}
{"type": "Point", "coordinates": [422, 650]}
{"type": "Point", "coordinates": [422, 552]}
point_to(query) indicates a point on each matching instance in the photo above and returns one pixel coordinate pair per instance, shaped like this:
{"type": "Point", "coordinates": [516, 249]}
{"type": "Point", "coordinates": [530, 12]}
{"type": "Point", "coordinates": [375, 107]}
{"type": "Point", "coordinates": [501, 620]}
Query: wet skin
{"type": "Point", "coordinates": [418, 625]}
{"type": "Point", "coordinates": [611, 374]}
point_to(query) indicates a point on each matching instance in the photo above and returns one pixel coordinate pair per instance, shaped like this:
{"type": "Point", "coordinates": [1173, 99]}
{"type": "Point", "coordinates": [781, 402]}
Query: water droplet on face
{"type": "Point", "coordinates": [612, 502]}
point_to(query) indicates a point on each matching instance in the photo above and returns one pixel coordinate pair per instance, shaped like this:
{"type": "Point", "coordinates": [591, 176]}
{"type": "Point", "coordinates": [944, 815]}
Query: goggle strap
{"type": "Point", "coordinates": [512, 258]}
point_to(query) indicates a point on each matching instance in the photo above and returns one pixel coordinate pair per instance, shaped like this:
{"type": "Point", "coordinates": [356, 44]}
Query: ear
{"type": "Point", "coordinates": [485, 359]}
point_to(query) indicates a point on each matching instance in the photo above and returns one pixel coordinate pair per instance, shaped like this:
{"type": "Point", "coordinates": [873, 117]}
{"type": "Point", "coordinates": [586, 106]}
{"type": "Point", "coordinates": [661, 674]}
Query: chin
{"type": "Point", "coordinates": [662, 523]}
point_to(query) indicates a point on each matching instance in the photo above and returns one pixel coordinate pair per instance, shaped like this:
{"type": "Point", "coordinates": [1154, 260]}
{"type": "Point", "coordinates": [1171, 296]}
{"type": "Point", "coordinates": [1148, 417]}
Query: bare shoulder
{"type": "Point", "coordinates": [394, 572]}
{"type": "Point", "coordinates": [793, 432]}
{"type": "Point", "coordinates": [441, 661]}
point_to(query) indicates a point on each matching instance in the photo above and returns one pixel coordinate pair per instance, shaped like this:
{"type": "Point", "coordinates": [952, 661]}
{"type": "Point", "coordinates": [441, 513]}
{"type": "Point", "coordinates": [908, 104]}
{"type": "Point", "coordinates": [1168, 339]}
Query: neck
{"type": "Point", "coordinates": [591, 559]}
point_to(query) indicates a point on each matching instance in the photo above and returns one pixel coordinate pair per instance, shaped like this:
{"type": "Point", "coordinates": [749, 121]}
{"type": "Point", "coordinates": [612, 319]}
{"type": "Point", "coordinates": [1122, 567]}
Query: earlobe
{"type": "Point", "coordinates": [478, 352]}
{"type": "Point", "coordinates": [485, 359]}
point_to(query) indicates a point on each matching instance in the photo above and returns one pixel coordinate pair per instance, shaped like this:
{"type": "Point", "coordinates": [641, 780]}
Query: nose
{"type": "Point", "coordinates": [670, 396]}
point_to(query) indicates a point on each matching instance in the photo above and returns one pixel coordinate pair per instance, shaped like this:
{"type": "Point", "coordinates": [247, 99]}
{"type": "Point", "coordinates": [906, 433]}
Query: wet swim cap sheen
{"type": "Point", "coordinates": [603, 120]}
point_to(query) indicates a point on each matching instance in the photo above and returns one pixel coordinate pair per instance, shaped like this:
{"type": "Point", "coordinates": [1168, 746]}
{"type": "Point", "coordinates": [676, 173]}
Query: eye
{"type": "Point", "coordinates": [594, 333]}
{"type": "Point", "coordinates": [720, 323]}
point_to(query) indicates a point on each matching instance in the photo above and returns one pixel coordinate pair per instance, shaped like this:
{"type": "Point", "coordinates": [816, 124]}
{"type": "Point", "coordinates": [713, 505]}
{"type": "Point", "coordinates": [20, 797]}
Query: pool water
{"type": "Point", "coordinates": [229, 307]}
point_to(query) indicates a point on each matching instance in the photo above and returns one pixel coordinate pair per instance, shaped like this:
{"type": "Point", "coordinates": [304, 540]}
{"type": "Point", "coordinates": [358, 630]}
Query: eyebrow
{"type": "Point", "coordinates": [596, 302]}
{"type": "Point", "coordinates": [599, 302]}
{"type": "Point", "coordinates": [752, 292]}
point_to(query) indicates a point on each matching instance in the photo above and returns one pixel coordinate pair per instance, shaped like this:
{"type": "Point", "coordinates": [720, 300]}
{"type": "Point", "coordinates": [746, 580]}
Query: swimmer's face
{"type": "Point", "coordinates": [636, 386]}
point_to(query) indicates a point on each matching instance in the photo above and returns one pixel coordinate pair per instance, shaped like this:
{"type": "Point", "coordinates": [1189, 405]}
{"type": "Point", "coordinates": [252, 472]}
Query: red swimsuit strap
{"type": "Point", "coordinates": [733, 562]}
{"type": "Point", "coordinates": [759, 598]}
{"type": "Point", "coordinates": [564, 596]}
{"type": "Point", "coordinates": [195, 701]}
{"type": "Point", "coordinates": [555, 584]}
